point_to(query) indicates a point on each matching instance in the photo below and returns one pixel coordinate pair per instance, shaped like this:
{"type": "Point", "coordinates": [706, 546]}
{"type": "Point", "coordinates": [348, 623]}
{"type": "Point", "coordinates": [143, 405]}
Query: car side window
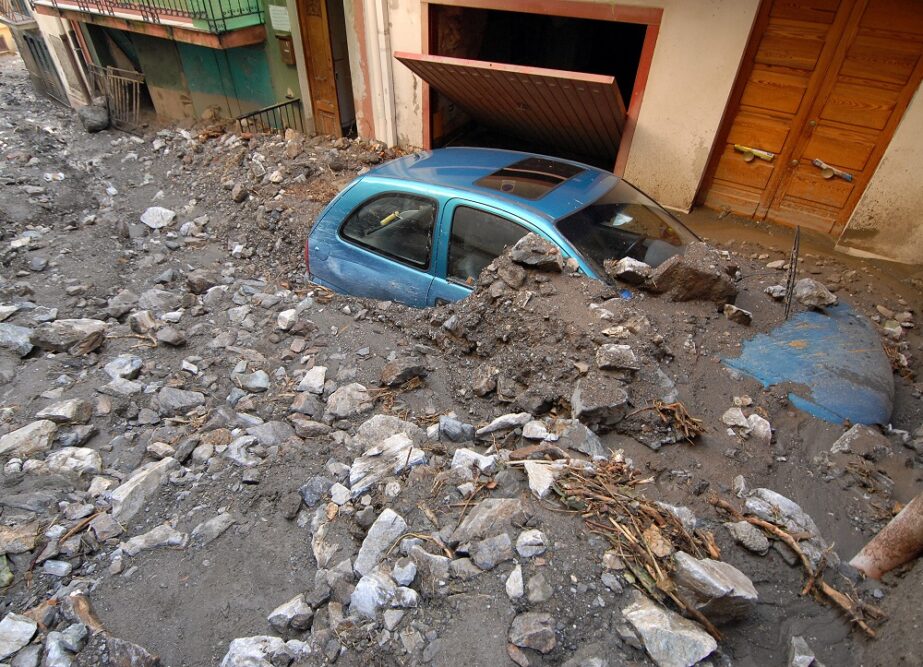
{"type": "Point", "coordinates": [395, 224]}
{"type": "Point", "coordinates": [478, 237]}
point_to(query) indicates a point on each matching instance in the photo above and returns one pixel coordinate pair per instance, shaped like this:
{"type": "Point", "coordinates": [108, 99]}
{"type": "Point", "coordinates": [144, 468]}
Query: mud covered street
{"type": "Point", "coordinates": [207, 460]}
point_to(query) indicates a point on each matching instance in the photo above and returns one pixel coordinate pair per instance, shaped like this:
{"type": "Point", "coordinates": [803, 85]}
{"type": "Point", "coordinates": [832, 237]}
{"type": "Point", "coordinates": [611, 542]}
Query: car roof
{"type": "Point", "coordinates": [461, 168]}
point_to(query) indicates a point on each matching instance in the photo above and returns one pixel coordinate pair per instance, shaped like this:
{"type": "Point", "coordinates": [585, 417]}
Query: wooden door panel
{"type": "Point", "coordinates": [881, 57]}
{"type": "Point", "coordinates": [903, 15]}
{"type": "Point", "coordinates": [795, 212]}
{"type": "Point", "coordinates": [808, 183]}
{"type": "Point", "coordinates": [734, 198]}
{"type": "Point", "coordinates": [815, 11]}
{"type": "Point", "coordinates": [839, 147]}
{"type": "Point", "coordinates": [860, 105]}
{"type": "Point", "coordinates": [315, 30]}
{"type": "Point", "coordinates": [775, 90]}
{"type": "Point", "coordinates": [791, 44]}
{"type": "Point", "coordinates": [757, 131]}
{"type": "Point", "coordinates": [732, 167]}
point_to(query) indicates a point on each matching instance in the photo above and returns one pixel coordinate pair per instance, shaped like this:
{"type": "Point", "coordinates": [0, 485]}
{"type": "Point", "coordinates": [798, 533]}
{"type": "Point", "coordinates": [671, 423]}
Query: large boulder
{"type": "Point", "coordinates": [94, 117]}
{"type": "Point", "coordinates": [77, 336]}
{"type": "Point", "coordinates": [698, 274]}
{"type": "Point", "coordinates": [16, 338]}
{"type": "Point", "coordinates": [670, 639]}
{"type": "Point", "coordinates": [535, 252]}
{"type": "Point", "coordinates": [29, 440]}
{"type": "Point", "coordinates": [719, 590]}
{"type": "Point", "coordinates": [599, 401]}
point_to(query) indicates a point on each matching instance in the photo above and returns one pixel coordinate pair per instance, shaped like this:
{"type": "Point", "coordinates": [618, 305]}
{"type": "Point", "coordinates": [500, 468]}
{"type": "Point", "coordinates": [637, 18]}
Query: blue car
{"type": "Point", "coordinates": [419, 230]}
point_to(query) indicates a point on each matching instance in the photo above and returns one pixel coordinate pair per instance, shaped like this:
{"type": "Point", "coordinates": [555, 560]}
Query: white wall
{"type": "Point", "coordinates": [698, 52]}
{"type": "Point", "coordinates": [888, 220]}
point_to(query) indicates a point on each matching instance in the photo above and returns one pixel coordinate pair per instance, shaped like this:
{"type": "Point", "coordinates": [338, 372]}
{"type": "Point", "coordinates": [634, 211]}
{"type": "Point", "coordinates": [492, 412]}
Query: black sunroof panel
{"type": "Point", "coordinates": [531, 178]}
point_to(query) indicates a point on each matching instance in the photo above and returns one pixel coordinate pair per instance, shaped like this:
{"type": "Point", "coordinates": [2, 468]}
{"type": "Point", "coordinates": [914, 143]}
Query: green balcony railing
{"type": "Point", "coordinates": [211, 15]}
{"type": "Point", "coordinates": [15, 12]}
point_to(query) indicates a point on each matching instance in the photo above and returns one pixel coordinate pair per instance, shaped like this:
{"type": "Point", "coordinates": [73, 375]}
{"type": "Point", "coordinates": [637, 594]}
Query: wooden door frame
{"type": "Point", "coordinates": [820, 90]}
{"type": "Point", "coordinates": [648, 16]}
{"type": "Point", "coordinates": [308, 63]}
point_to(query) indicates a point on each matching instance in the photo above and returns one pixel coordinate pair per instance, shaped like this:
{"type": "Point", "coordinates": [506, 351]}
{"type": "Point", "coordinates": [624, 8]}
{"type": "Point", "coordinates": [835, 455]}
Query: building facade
{"type": "Point", "coordinates": [802, 112]}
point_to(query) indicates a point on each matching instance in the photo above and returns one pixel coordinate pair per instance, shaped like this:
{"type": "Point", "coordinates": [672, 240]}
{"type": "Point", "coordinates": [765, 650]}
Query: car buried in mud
{"type": "Point", "coordinates": [418, 230]}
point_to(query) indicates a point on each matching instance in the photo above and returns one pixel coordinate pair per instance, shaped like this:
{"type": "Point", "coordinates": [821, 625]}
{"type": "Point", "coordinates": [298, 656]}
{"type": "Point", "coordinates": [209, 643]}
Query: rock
{"type": "Point", "coordinates": [163, 535]}
{"type": "Point", "coordinates": [271, 433]}
{"type": "Point", "coordinates": [262, 651]}
{"type": "Point", "coordinates": [255, 382]}
{"type": "Point", "coordinates": [77, 336]}
{"type": "Point", "coordinates": [16, 631]}
{"type": "Point", "coordinates": [735, 417]}
{"type": "Point", "coordinates": [489, 553]}
{"type": "Point", "coordinates": [129, 497]}
{"type": "Point", "coordinates": [801, 655]}
{"type": "Point", "coordinates": [57, 568]}
{"type": "Point", "coordinates": [468, 458]}
{"type": "Point", "coordinates": [538, 589]}
{"type": "Point", "coordinates": [777, 292]}
{"type": "Point", "coordinates": [238, 452]}
{"type": "Point", "coordinates": [313, 381]}
{"type": "Point", "coordinates": [172, 402]}
{"type": "Point", "coordinates": [541, 477]}
{"type": "Point", "coordinates": [19, 539]}
{"type": "Point", "coordinates": [125, 366]}
{"type": "Point", "coordinates": [533, 251]}
{"type": "Point", "coordinates": [719, 590]}
{"type": "Point", "coordinates": [504, 423]}
{"type": "Point", "coordinates": [74, 461]}
{"type": "Point", "coordinates": [72, 411]}
{"type": "Point", "coordinates": [388, 527]}
{"type": "Point", "coordinates": [373, 591]}
{"type": "Point", "coordinates": [669, 639]}
{"type": "Point", "coordinates": [434, 569]}
{"type": "Point", "coordinates": [211, 530]}
{"type": "Point", "coordinates": [628, 270]}
{"type": "Point", "coordinates": [489, 517]}
{"type": "Point", "coordinates": [384, 460]}
{"type": "Point", "coordinates": [93, 117]}
{"type": "Point", "coordinates": [533, 630]}
{"type": "Point", "coordinates": [348, 401]}
{"type": "Point", "coordinates": [121, 387]}
{"type": "Point", "coordinates": [295, 614]}
{"type": "Point", "coordinates": [157, 217]}
{"type": "Point", "coordinates": [121, 303]}
{"type": "Point", "coordinates": [158, 301]}
{"type": "Point", "coordinates": [738, 315]}
{"type": "Point", "coordinates": [16, 338]}
{"type": "Point", "coordinates": [239, 193]}
{"type": "Point", "coordinates": [599, 401]}
{"type": "Point", "coordinates": [315, 489]}
{"type": "Point", "coordinates": [399, 371]}
{"type": "Point", "coordinates": [125, 654]}
{"type": "Point", "coordinates": [776, 508]}
{"type": "Point", "coordinates": [404, 571]}
{"type": "Point", "coordinates": [698, 274]}
{"type": "Point", "coordinates": [31, 439]}
{"type": "Point", "coordinates": [142, 322]}
{"type": "Point", "coordinates": [531, 543]}
{"type": "Point", "coordinates": [860, 439]}
{"type": "Point", "coordinates": [104, 527]}
{"type": "Point", "coordinates": [813, 294]}
{"type": "Point", "coordinates": [308, 428]}
{"type": "Point", "coordinates": [171, 336]}
{"type": "Point", "coordinates": [759, 430]}
{"type": "Point", "coordinates": [286, 319]}
{"type": "Point", "coordinates": [613, 357]}
{"type": "Point", "coordinates": [749, 536]}
{"type": "Point", "coordinates": [453, 430]}
{"type": "Point", "coordinates": [514, 585]}
{"type": "Point", "coordinates": [573, 434]}
{"type": "Point", "coordinates": [200, 281]}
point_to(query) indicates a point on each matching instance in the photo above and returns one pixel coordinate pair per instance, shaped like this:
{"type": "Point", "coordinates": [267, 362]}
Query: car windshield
{"type": "Point", "coordinates": [625, 223]}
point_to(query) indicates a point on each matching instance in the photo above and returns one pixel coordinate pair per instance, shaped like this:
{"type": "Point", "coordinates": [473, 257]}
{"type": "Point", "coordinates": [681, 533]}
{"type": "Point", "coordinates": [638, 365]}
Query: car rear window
{"type": "Point", "coordinates": [395, 224]}
{"type": "Point", "coordinates": [531, 178]}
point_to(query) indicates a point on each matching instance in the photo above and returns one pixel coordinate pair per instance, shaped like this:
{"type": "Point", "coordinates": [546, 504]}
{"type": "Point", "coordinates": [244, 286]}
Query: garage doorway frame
{"type": "Point", "coordinates": [597, 11]}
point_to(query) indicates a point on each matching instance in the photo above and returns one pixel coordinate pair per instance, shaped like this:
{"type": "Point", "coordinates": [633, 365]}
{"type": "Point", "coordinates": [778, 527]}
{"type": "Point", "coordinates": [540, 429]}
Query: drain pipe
{"type": "Point", "coordinates": [899, 542]}
{"type": "Point", "coordinates": [378, 35]}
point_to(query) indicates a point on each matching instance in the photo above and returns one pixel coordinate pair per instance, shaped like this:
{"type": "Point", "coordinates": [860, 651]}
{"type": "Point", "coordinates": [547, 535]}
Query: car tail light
{"type": "Point", "coordinates": [307, 256]}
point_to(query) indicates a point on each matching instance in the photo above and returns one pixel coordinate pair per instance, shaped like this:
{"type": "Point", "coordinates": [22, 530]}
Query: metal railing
{"type": "Point", "coordinates": [277, 118]}
{"type": "Point", "coordinates": [216, 13]}
{"type": "Point", "coordinates": [15, 12]}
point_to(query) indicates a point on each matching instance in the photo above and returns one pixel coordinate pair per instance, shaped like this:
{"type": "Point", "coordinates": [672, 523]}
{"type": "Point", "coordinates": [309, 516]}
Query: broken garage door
{"type": "Point", "coordinates": [570, 112]}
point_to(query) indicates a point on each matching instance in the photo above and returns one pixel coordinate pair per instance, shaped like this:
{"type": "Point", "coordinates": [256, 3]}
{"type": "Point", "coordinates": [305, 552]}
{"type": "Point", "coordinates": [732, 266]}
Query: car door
{"type": "Point", "coordinates": [471, 235]}
{"type": "Point", "coordinates": [384, 249]}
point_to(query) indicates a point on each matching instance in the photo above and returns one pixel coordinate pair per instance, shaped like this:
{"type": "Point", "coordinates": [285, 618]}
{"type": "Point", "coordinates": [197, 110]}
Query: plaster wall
{"type": "Point", "coordinates": [696, 59]}
{"type": "Point", "coordinates": [887, 220]}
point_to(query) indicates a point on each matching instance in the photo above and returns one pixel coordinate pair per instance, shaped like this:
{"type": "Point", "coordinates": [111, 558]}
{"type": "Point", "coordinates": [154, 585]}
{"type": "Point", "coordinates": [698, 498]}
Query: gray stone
{"type": "Point", "coordinates": [56, 655]}
{"type": "Point", "coordinates": [615, 357]}
{"type": "Point", "coordinates": [18, 539]}
{"type": "Point", "coordinates": [74, 637]}
{"type": "Point", "coordinates": [348, 401]}
{"type": "Point", "coordinates": [489, 553]}
{"type": "Point", "coordinates": [399, 371]}
{"type": "Point", "coordinates": [271, 433]}
{"type": "Point", "coordinates": [93, 117]}
{"type": "Point", "coordinates": [504, 423]}
{"type": "Point", "coordinates": [453, 430]}
{"type": "Point", "coordinates": [813, 294]}
{"type": "Point", "coordinates": [669, 639]}
{"type": "Point", "coordinates": [313, 380]}
{"type": "Point", "coordinates": [171, 336]}
{"type": "Point", "coordinates": [105, 527]}
{"type": "Point", "coordinates": [860, 439]}
{"type": "Point", "coordinates": [142, 322]}
{"type": "Point", "coordinates": [72, 411]}
{"type": "Point", "coordinates": [719, 590]}
{"type": "Point", "coordinates": [776, 508]}
{"type": "Point", "coordinates": [125, 366]}
{"type": "Point", "coordinates": [76, 336]}
{"type": "Point", "coordinates": [255, 382]}
{"type": "Point", "coordinates": [531, 543]}
{"type": "Point", "coordinates": [74, 461]}
{"type": "Point", "coordinates": [383, 460]}
{"type": "Point", "coordinates": [373, 591]}
{"type": "Point", "coordinates": [388, 527]}
{"type": "Point", "coordinates": [30, 656]}
{"type": "Point", "coordinates": [749, 536]}
{"type": "Point", "coordinates": [159, 300]}
{"type": "Point", "coordinates": [261, 651]}
{"type": "Point", "coordinates": [163, 535]}
{"type": "Point", "coordinates": [801, 655]}
{"type": "Point", "coordinates": [538, 589]}
{"type": "Point", "coordinates": [57, 568]}
{"type": "Point", "coordinates": [31, 439]}
{"type": "Point", "coordinates": [404, 571]}
{"type": "Point", "coordinates": [129, 497]}
{"type": "Point", "coordinates": [121, 388]}
{"type": "Point", "coordinates": [16, 338]}
{"type": "Point", "coordinates": [157, 217]}
{"type": "Point", "coordinates": [200, 281]}
{"type": "Point", "coordinates": [533, 251]}
{"type": "Point", "coordinates": [628, 270]}
{"type": "Point", "coordinates": [515, 588]}
{"type": "Point", "coordinates": [433, 568]}
{"type": "Point", "coordinates": [533, 630]}
{"type": "Point", "coordinates": [777, 292]}
{"type": "Point", "coordinates": [211, 530]}
{"type": "Point", "coordinates": [490, 517]}
{"type": "Point", "coordinates": [697, 274]}
{"type": "Point", "coordinates": [121, 303]}
{"type": "Point", "coordinates": [308, 428]}
{"type": "Point", "coordinates": [738, 315]}
{"type": "Point", "coordinates": [16, 631]}
{"type": "Point", "coordinates": [295, 614]}
{"type": "Point", "coordinates": [172, 401]}
{"type": "Point", "coordinates": [468, 459]}
{"type": "Point", "coordinates": [599, 401]}
{"type": "Point", "coordinates": [238, 452]}
{"type": "Point", "coordinates": [315, 489]}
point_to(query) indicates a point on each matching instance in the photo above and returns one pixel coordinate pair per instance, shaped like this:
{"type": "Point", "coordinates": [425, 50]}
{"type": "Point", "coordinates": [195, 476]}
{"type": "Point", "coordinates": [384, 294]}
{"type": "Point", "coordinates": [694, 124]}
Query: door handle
{"type": "Point", "coordinates": [751, 153]}
{"type": "Point", "coordinates": [829, 172]}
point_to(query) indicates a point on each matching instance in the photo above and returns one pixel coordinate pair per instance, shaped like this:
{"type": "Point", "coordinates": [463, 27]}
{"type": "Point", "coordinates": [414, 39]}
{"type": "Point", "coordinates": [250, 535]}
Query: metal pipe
{"type": "Point", "coordinates": [899, 542]}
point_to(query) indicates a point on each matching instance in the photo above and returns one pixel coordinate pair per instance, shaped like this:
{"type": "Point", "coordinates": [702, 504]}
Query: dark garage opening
{"type": "Point", "coordinates": [610, 48]}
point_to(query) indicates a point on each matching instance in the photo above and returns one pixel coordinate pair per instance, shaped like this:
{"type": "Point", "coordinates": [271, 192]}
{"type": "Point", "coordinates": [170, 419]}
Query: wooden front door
{"type": "Point", "coordinates": [824, 86]}
{"type": "Point", "coordinates": [318, 58]}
